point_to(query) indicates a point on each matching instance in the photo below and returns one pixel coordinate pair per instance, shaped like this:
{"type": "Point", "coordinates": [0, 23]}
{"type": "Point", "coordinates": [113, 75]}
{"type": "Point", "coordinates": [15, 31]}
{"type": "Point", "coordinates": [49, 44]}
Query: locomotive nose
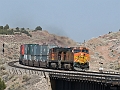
{"type": "Point", "coordinates": [82, 54]}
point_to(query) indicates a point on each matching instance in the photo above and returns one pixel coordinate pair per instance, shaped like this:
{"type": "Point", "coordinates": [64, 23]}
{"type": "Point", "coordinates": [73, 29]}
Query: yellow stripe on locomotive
{"type": "Point", "coordinates": [81, 57]}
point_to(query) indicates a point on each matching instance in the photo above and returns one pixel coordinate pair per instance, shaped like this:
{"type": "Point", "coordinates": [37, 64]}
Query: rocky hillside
{"type": "Point", "coordinates": [103, 49]}
{"type": "Point", "coordinates": [13, 42]}
{"type": "Point", "coordinates": [12, 49]}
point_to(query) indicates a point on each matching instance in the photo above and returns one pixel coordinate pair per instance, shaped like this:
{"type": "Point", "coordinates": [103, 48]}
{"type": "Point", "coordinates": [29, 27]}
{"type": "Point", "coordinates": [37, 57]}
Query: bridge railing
{"type": "Point", "coordinates": [103, 78]}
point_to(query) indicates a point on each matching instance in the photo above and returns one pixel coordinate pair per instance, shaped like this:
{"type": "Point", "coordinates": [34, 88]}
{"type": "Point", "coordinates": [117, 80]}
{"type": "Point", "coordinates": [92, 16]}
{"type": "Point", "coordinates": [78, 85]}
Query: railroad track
{"type": "Point", "coordinates": [61, 71]}
{"type": "Point", "coordinates": [112, 78]}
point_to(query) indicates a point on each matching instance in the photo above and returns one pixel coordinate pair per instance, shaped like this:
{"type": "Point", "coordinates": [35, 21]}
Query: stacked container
{"type": "Point", "coordinates": [22, 49]}
{"type": "Point", "coordinates": [31, 52]}
{"type": "Point", "coordinates": [34, 54]}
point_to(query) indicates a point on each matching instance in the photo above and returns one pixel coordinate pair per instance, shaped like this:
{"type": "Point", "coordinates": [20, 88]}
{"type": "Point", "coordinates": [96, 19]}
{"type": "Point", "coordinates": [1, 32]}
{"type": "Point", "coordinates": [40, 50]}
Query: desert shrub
{"type": "Point", "coordinates": [2, 68]}
{"type": "Point", "coordinates": [3, 72]}
{"type": "Point", "coordinates": [2, 85]}
{"type": "Point", "coordinates": [11, 76]}
{"type": "Point", "coordinates": [38, 28]}
{"type": "Point", "coordinates": [26, 78]}
{"type": "Point", "coordinates": [6, 26]}
{"type": "Point", "coordinates": [14, 79]}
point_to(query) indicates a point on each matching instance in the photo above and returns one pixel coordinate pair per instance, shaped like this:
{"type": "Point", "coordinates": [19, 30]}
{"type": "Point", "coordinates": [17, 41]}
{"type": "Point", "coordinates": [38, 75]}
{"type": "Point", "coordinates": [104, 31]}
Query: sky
{"type": "Point", "coordinates": [77, 19]}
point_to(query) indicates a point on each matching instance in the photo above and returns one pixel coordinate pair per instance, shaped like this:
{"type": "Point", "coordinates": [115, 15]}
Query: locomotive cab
{"type": "Point", "coordinates": [81, 58]}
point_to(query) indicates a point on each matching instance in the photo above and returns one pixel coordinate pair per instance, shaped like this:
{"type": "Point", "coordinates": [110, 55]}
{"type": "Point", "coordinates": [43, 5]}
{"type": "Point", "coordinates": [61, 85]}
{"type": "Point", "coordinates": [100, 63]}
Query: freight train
{"type": "Point", "coordinates": [52, 56]}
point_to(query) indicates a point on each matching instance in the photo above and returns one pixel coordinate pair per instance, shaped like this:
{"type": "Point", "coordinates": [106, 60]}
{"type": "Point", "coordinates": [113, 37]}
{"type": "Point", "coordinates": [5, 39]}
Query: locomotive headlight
{"type": "Point", "coordinates": [81, 54]}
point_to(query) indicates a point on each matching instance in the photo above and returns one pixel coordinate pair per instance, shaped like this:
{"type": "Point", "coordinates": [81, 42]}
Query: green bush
{"type": "Point", "coordinates": [2, 85]}
{"type": "Point", "coordinates": [1, 27]}
{"type": "Point", "coordinates": [38, 28]}
{"type": "Point", "coordinates": [6, 31]}
{"type": "Point", "coordinates": [26, 78]}
{"type": "Point", "coordinates": [2, 68]}
{"type": "Point", "coordinates": [6, 26]}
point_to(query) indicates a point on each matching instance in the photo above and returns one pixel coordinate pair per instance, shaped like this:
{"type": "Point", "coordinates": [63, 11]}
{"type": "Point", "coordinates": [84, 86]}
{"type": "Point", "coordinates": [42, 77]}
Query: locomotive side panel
{"type": "Point", "coordinates": [60, 58]}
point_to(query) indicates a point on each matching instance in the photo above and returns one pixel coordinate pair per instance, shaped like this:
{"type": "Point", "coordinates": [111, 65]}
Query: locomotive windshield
{"type": "Point", "coordinates": [77, 50]}
{"type": "Point", "coordinates": [85, 51]}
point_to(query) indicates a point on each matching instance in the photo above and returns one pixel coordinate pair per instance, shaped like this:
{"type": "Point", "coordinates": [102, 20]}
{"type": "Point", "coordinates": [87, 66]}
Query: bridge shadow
{"type": "Point", "coordinates": [62, 84]}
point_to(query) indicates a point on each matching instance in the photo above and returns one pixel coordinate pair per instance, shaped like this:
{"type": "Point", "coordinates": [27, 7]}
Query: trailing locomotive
{"type": "Point", "coordinates": [54, 57]}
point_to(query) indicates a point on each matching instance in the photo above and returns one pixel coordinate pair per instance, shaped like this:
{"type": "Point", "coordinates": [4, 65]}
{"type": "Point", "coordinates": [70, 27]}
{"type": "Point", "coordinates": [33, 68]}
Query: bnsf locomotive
{"type": "Point", "coordinates": [51, 56]}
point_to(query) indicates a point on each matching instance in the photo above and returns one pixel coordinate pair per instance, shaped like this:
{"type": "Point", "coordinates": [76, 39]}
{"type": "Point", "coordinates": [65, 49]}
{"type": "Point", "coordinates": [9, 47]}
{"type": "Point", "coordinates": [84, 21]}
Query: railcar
{"type": "Point", "coordinates": [69, 58]}
{"type": "Point", "coordinates": [81, 57]}
{"type": "Point", "coordinates": [52, 56]}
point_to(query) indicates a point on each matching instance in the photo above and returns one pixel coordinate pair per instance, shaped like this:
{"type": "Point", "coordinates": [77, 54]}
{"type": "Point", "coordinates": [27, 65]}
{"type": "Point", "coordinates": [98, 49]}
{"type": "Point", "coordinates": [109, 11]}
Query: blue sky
{"type": "Point", "coordinates": [77, 19]}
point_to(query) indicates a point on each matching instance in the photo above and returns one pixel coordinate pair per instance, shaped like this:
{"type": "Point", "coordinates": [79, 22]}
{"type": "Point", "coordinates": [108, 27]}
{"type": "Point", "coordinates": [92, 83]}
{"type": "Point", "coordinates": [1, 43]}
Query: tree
{"type": "Point", "coordinates": [17, 29]}
{"type": "Point", "coordinates": [22, 28]}
{"type": "Point", "coordinates": [1, 27]}
{"type": "Point", "coordinates": [2, 85]}
{"type": "Point", "coordinates": [38, 28]}
{"type": "Point", "coordinates": [6, 26]}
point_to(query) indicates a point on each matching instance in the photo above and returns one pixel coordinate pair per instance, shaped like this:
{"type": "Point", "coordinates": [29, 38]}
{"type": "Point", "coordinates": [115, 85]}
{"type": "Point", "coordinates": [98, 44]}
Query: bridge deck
{"type": "Point", "coordinates": [96, 77]}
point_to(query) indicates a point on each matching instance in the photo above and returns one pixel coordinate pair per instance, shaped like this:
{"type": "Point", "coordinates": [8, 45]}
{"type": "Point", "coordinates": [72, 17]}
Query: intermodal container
{"type": "Point", "coordinates": [44, 57]}
{"type": "Point", "coordinates": [38, 49]}
{"type": "Point", "coordinates": [25, 48]}
{"type": "Point", "coordinates": [21, 57]}
{"type": "Point", "coordinates": [29, 57]}
{"type": "Point", "coordinates": [22, 49]}
{"type": "Point", "coordinates": [29, 49]}
{"type": "Point", "coordinates": [35, 49]}
{"type": "Point", "coordinates": [33, 57]}
{"type": "Point", "coordinates": [38, 58]}
{"type": "Point", "coordinates": [25, 57]}
{"type": "Point", "coordinates": [44, 50]}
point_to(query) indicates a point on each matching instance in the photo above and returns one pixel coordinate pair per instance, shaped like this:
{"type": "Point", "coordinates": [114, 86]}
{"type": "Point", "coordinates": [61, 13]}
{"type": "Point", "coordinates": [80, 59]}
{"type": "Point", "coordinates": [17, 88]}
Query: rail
{"type": "Point", "coordinates": [111, 78]}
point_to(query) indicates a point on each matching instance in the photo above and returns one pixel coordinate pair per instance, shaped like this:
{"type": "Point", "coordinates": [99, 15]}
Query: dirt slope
{"type": "Point", "coordinates": [105, 49]}
{"type": "Point", "coordinates": [12, 48]}
{"type": "Point", "coordinates": [13, 42]}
